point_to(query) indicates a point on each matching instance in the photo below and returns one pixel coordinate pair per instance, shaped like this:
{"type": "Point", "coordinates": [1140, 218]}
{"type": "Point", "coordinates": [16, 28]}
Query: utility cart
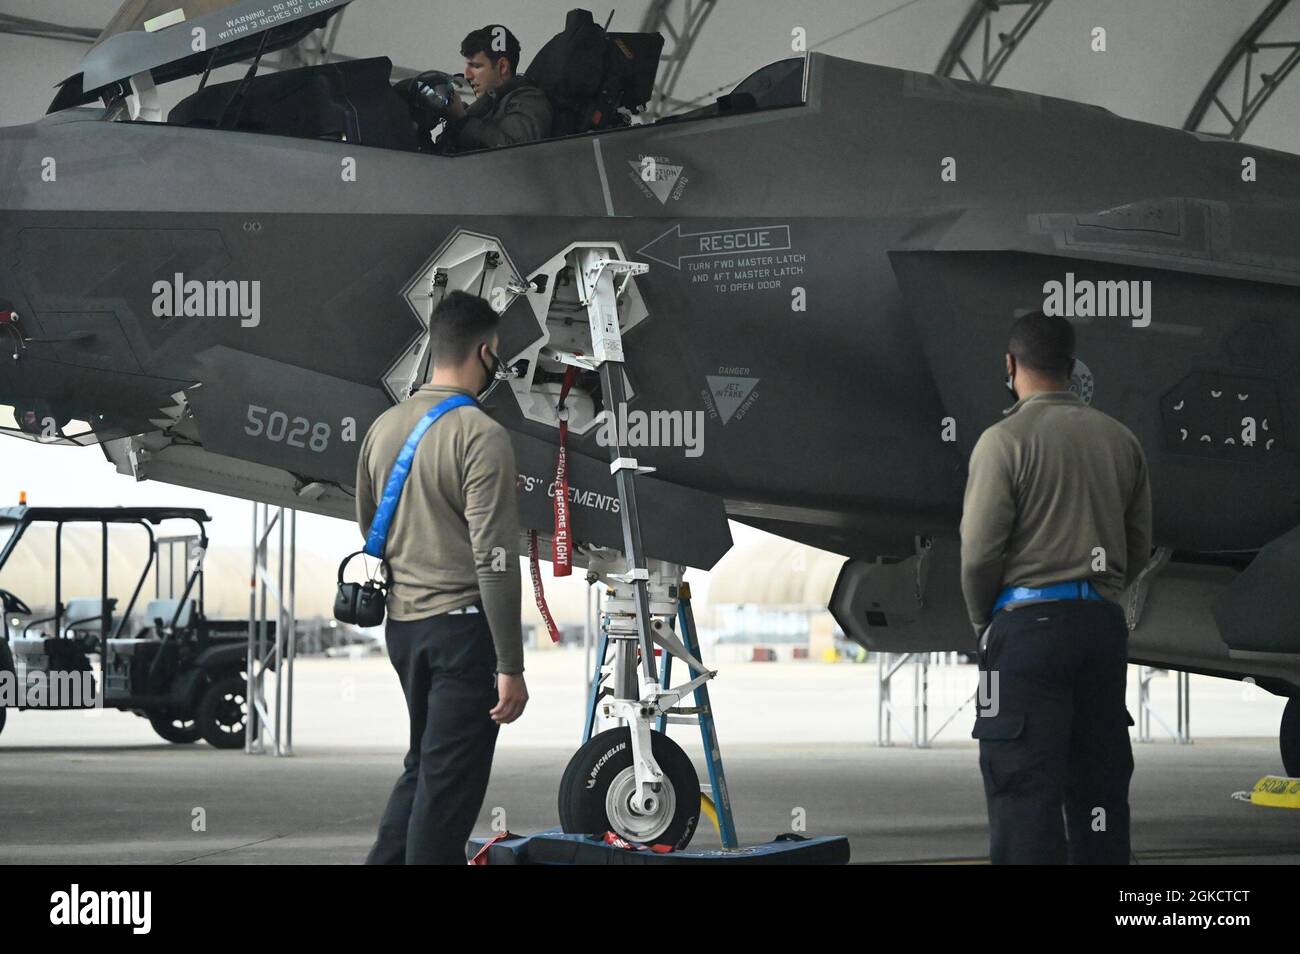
{"type": "Point", "coordinates": [163, 660]}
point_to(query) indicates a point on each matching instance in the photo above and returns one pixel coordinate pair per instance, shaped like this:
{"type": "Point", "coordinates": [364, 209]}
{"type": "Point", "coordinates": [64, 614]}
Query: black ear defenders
{"type": "Point", "coordinates": [362, 604]}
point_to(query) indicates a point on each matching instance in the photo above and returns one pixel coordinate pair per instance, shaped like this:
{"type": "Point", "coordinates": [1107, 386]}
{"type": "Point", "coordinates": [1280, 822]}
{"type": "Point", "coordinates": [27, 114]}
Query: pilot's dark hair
{"type": "Point", "coordinates": [485, 40]}
{"type": "Point", "coordinates": [459, 323]}
{"type": "Point", "coordinates": [1043, 343]}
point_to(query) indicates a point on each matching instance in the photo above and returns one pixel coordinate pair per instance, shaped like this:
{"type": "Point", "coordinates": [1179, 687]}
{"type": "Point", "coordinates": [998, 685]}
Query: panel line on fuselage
{"type": "Point", "coordinates": [604, 179]}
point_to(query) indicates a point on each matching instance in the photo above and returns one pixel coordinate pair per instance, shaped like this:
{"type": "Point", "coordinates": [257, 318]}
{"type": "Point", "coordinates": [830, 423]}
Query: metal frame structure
{"type": "Point", "coordinates": [165, 547]}
{"type": "Point", "coordinates": [604, 676]}
{"type": "Point", "coordinates": [682, 22]}
{"type": "Point", "coordinates": [1182, 735]}
{"type": "Point", "coordinates": [591, 634]}
{"type": "Point", "coordinates": [888, 667]}
{"type": "Point", "coordinates": [45, 30]}
{"type": "Point", "coordinates": [1137, 597]}
{"type": "Point", "coordinates": [315, 49]}
{"type": "Point", "coordinates": [1242, 55]}
{"type": "Point", "coordinates": [266, 655]}
{"type": "Point", "coordinates": [979, 20]}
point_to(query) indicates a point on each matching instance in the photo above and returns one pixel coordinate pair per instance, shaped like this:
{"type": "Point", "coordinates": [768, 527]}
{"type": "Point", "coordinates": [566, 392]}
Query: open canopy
{"type": "Point", "coordinates": [175, 38]}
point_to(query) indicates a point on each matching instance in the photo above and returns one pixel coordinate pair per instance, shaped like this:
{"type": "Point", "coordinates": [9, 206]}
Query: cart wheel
{"type": "Point", "coordinates": [180, 731]}
{"type": "Point", "coordinates": [222, 712]}
{"type": "Point", "coordinates": [598, 784]}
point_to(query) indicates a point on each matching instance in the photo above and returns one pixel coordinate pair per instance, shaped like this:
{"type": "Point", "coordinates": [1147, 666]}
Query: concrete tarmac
{"type": "Point", "coordinates": [798, 743]}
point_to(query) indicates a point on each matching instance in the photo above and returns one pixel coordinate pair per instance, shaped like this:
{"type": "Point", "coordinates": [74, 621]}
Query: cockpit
{"type": "Point", "coordinates": [149, 43]}
{"type": "Point", "coordinates": [155, 63]}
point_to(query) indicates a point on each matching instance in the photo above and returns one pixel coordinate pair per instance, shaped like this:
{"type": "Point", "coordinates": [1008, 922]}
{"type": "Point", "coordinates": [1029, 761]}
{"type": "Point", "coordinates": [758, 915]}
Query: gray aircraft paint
{"type": "Point", "coordinates": [911, 283]}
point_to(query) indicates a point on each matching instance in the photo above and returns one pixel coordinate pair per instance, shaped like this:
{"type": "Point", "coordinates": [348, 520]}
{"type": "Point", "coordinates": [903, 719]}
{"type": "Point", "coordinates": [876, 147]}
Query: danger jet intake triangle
{"type": "Point", "coordinates": [729, 393]}
{"type": "Point", "coordinates": [665, 177]}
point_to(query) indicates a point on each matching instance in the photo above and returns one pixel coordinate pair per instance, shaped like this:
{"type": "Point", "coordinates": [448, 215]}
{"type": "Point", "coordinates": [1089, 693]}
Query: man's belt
{"type": "Point", "coordinates": [1071, 590]}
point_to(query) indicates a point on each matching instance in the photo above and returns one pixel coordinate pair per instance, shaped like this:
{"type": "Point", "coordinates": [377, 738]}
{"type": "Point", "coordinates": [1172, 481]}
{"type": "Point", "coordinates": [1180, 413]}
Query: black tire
{"type": "Point", "coordinates": [222, 712]}
{"type": "Point", "coordinates": [602, 769]}
{"type": "Point", "coordinates": [3, 715]}
{"type": "Point", "coordinates": [1288, 737]}
{"type": "Point", "coordinates": [180, 731]}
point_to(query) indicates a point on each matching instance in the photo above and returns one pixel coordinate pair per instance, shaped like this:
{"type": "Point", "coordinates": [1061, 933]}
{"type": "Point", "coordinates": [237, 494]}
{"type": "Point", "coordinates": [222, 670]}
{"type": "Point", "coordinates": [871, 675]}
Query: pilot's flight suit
{"type": "Point", "coordinates": [515, 112]}
{"type": "Point", "coordinates": [1058, 504]}
{"type": "Point", "coordinates": [453, 614]}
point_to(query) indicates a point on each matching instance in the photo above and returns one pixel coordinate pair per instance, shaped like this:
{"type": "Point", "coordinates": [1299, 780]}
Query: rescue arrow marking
{"type": "Point", "coordinates": [674, 245]}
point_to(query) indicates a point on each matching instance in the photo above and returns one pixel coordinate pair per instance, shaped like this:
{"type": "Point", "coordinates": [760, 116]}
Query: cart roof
{"type": "Point", "coordinates": [155, 515]}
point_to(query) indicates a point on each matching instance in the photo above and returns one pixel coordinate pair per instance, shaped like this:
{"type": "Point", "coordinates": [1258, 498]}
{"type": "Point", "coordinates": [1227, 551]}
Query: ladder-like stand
{"type": "Point", "coordinates": [687, 649]}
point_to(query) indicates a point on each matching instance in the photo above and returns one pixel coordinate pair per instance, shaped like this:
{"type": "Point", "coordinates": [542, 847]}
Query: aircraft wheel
{"type": "Point", "coordinates": [222, 712]}
{"type": "Point", "coordinates": [180, 731]}
{"type": "Point", "coordinates": [1289, 737]}
{"type": "Point", "coordinates": [599, 781]}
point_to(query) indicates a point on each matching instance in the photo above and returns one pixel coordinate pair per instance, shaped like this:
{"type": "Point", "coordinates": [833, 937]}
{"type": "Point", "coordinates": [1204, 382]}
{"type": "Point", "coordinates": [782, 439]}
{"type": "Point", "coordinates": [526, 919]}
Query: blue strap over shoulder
{"type": "Point", "coordinates": [377, 538]}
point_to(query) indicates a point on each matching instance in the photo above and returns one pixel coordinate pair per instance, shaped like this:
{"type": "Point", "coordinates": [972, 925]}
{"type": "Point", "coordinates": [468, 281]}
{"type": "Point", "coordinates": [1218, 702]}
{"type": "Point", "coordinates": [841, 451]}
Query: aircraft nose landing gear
{"type": "Point", "coordinates": [630, 780]}
{"type": "Point", "coordinates": [633, 780]}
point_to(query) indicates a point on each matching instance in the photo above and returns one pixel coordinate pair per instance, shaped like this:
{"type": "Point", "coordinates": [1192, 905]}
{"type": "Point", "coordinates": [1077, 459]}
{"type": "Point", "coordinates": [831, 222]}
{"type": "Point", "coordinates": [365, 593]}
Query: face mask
{"type": "Point", "coordinates": [493, 375]}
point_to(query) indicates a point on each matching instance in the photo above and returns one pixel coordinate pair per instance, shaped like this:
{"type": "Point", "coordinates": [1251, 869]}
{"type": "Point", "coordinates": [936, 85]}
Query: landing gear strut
{"type": "Point", "coordinates": [633, 780]}
{"type": "Point", "coordinates": [630, 780]}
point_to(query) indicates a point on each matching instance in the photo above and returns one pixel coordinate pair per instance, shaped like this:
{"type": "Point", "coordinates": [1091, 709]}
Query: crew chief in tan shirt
{"type": "Point", "coordinates": [1056, 522]}
{"type": "Point", "coordinates": [453, 629]}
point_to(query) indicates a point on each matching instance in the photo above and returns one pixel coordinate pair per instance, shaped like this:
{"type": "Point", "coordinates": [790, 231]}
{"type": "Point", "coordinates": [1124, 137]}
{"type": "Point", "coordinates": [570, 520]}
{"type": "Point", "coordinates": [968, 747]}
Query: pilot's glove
{"type": "Point", "coordinates": [429, 95]}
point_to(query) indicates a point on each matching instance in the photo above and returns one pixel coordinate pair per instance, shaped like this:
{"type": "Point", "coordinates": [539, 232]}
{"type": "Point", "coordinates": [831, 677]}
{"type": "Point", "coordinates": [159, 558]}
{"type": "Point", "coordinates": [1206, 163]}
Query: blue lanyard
{"type": "Point", "coordinates": [377, 538]}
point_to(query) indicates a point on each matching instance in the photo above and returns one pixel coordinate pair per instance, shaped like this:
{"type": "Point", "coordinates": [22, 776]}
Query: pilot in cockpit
{"type": "Point", "coordinates": [508, 108]}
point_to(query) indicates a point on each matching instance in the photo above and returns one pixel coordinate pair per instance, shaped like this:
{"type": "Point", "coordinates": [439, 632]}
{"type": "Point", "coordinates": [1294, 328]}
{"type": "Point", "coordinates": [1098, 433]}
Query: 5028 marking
{"type": "Point", "coordinates": [277, 426]}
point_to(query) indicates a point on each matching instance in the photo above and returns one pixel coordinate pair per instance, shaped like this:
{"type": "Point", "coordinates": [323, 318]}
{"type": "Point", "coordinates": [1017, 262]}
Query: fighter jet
{"type": "Point", "coordinates": [818, 269]}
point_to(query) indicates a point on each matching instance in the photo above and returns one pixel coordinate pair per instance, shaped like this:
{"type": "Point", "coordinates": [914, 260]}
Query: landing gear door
{"type": "Point", "coordinates": [560, 292]}
{"type": "Point", "coordinates": [478, 264]}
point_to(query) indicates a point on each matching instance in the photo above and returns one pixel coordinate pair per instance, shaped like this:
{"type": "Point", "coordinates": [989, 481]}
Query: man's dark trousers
{"type": "Point", "coordinates": [447, 667]}
{"type": "Point", "coordinates": [1053, 731]}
